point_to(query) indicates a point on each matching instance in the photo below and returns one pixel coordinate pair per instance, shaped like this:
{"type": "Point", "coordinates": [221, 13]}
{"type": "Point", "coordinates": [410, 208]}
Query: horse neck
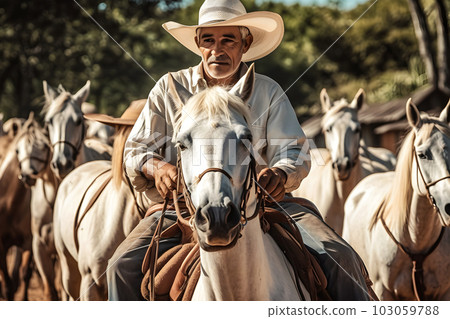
{"type": "Point", "coordinates": [423, 226]}
{"type": "Point", "coordinates": [238, 273]}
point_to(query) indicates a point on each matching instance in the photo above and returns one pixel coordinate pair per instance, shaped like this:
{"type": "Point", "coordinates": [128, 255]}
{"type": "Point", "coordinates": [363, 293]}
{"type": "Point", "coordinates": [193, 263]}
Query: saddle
{"type": "Point", "coordinates": [174, 275]}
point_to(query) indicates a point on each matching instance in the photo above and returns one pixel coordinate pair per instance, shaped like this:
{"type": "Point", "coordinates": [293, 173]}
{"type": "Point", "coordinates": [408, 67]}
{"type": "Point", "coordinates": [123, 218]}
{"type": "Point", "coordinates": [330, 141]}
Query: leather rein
{"type": "Point", "coordinates": [419, 258]}
{"type": "Point", "coordinates": [188, 222]}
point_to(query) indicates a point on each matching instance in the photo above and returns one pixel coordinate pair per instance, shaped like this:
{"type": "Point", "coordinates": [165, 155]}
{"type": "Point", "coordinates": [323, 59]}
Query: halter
{"type": "Point", "coordinates": [76, 149]}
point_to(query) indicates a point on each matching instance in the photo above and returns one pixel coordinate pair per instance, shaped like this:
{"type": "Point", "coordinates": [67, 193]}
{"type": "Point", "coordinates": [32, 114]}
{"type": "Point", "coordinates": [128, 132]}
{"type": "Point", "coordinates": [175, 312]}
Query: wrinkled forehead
{"type": "Point", "coordinates": [228, 31]}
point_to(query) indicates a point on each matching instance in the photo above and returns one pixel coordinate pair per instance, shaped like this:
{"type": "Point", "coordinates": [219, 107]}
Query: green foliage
{"type": "Point", "coordinates": [58, 42]}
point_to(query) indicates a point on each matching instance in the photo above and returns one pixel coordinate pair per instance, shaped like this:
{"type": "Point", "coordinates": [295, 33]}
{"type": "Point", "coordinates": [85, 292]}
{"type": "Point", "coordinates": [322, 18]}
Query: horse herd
{"type": "Point", "coordinates": [66, 203]}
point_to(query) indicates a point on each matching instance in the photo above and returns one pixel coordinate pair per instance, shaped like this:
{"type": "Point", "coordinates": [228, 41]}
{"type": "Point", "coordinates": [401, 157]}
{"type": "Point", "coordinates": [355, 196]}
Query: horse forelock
{"type": "Point", "coordinates": [340, 106]}
{"type": "Point", "coordinates": [33, 133]}
{"type": "Point", "coordinates": [396, 207]}
{"type": "Point", "coordinates": [52, 107]}
{"type": "Point", "coordinates": [212, 103]}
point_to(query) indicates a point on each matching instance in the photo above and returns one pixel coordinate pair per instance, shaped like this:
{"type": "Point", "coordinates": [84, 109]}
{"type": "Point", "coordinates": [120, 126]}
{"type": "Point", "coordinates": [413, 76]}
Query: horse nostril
{"type": "Point", "coordinates": [54, 165]}
{"type": "Point", "coordinates": [447, 209]}
{"type": "Point", "coordinates": [233, 216]}
{"type": "Point", "coordinates": [35, 172]}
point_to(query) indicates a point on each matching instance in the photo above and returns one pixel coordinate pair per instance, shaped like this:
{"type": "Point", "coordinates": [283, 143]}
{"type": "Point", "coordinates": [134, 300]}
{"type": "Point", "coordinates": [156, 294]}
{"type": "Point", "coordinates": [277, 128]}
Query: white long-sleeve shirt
{"type": "Point", "coordinates": [277, 135]}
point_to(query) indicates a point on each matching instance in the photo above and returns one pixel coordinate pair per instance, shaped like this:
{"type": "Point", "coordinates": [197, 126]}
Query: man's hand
{"type": "Point", "coordinates": [164, 174]}
{"type": "Point", "coordinates": [272, 181]}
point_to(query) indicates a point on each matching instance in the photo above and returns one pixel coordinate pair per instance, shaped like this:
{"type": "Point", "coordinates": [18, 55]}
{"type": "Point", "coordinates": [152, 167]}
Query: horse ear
{"type": "Point", "coordinates": [325, 100]}
{"type": "Point", "coordinates": [83, 93]}
{"type": "Point", "coordinates": [31, 116]}
{"type": "Point", "coordinates": [244, 87]}
{"type": "Point", "coordinates": [413, 115]}
{"type": "Point", "coordinates": [358, 100]}
{"type": "Point", "coordinates": [179, 94]}
{"type": "Point", "coordinates": [49, 92]}
{"type": "Point", "coordinates": [444, 116]}
{"type": "Point", "coordinates": [61, 89]}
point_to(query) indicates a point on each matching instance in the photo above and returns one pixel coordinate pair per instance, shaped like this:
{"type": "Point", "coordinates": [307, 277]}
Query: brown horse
{"type": "Point", "coordinates": [15, 228]}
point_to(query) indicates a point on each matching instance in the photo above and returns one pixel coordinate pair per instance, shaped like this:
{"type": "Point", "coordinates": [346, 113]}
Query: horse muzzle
{"type": "Point", "coordinates": [62, 167]}
{"type": "Point", "coordinates": [342, 168]}
{"type": "Point", "coordinates": [27, 180]}
{"type": "Point", "coordinates": [218, 227]}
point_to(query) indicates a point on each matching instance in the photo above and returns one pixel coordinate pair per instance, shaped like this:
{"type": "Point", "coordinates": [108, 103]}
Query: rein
{"type": "Point", "coordinates": [154, 244]}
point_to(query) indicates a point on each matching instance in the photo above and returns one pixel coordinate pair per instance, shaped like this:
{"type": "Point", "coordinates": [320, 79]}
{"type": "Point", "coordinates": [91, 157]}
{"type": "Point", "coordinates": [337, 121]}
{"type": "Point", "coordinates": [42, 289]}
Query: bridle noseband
{"type": "Point", "coordinates": [76, 149]}
{"type": "Point", "coordinates": [248, 184]}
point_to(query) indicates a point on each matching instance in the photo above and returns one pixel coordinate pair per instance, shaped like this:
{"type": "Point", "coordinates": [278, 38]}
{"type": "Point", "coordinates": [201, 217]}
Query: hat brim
{"type": "Point", "coordinates": [266, 28]}
{"type": "Point", "coordinates": [109, 120]}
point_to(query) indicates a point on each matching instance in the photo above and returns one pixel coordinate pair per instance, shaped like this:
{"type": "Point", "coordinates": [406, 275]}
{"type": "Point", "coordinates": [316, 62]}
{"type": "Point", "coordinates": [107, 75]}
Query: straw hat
{"type": "Point", "coordinates": [266, 28]}
{"type": "Point", "coordinates": [128, 117]}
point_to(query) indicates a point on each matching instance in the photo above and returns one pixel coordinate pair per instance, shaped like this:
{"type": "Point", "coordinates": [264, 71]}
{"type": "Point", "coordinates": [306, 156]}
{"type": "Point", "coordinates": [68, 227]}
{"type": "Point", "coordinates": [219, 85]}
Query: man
{"type": "Point", "coordinates": [226, 37]}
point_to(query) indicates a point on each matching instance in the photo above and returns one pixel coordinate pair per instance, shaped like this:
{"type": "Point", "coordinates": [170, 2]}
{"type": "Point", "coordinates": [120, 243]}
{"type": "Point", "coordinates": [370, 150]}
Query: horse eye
{"type": "Point", "coordinates": [328, 129]}
{"type": "Point", "coordinates": [181, 146]}
{"type": "Point", "coordinates": [422, 156]}
{"type": "Point", "coordinates": [358, 130]}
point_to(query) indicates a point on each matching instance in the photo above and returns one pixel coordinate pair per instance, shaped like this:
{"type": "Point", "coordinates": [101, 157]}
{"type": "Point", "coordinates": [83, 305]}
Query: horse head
{"type": "Point", "coordinates": [65, 124]}
{"type": "Point", "coordinates": [213, 140]}
{"type": "Point", "coordinates": [342, 132]}
{"type": "Point", "coordinates": [33, 151]}
{"type": "Point", "coordinates": [431, 158]}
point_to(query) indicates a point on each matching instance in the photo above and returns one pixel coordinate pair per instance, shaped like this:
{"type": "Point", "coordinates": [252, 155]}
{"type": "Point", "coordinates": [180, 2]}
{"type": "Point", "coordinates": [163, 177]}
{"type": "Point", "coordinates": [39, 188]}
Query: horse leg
{"type": "Point", "coordinates": [6, 288]}
{"type": "Point", "coordinates": [24, 275]}
{"type": "Point", "coordinates": [44, 263]}
{"type": "Point", "coordinates": [70, 275]}
{"type": "Point", "coordinates": [92, 289]}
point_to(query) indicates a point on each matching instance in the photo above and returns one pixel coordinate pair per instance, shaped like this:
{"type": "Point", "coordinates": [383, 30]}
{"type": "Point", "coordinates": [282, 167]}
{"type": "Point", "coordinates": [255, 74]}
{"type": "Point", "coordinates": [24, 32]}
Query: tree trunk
{"type": "Point", "coordinates": [442, 47]}
{"type": "Point", "coordinates": [424, 40]}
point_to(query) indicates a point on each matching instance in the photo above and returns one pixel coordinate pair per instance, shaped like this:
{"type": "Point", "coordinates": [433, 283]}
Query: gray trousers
{"type": "Point", "coordinates": [340, 263]}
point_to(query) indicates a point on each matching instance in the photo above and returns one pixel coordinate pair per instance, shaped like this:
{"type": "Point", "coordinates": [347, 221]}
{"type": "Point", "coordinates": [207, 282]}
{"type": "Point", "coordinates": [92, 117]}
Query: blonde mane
{"type": "Point", "coordinates": [212, 103]}
{"type": "Point", "coordinates": [120, 138]}
{"type": "Point", "coordinates": [52, 107]}
{"type": "Point", "coordinates": [395, 207]}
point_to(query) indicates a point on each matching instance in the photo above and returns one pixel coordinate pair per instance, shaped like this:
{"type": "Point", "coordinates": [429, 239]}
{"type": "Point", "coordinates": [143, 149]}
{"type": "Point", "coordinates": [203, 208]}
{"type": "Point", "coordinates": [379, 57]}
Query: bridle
{"type": "Point", "coordinates": [248, 184]}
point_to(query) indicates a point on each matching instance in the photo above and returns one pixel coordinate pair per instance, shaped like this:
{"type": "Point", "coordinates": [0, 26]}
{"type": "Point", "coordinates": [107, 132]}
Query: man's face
{"type": "Point", "coordinates": [222, 49]}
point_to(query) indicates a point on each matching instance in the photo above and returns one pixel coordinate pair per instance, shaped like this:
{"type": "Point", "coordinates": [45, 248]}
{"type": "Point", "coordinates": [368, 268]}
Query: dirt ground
{"type": "Point", "coordinates": [35, 288]}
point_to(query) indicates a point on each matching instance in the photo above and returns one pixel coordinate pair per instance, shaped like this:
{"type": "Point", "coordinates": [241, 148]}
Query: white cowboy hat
{"type": "Point", "coordinates": [266, 27]}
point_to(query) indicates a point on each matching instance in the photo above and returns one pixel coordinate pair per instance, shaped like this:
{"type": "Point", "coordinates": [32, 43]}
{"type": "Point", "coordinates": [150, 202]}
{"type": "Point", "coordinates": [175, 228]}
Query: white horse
{"type": "Point", "coordinates": [336, 170]}
{"type": "Point", "coordinates": [238, 262]}
{"type": "Point", "coordinates": [67, 130]}
{"type": "Point", "coordinates": [95, 209]}
{"type": "Point", "coordinates": [398, 221]}
{"type": "Point", "coordinates": [34, 153]}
